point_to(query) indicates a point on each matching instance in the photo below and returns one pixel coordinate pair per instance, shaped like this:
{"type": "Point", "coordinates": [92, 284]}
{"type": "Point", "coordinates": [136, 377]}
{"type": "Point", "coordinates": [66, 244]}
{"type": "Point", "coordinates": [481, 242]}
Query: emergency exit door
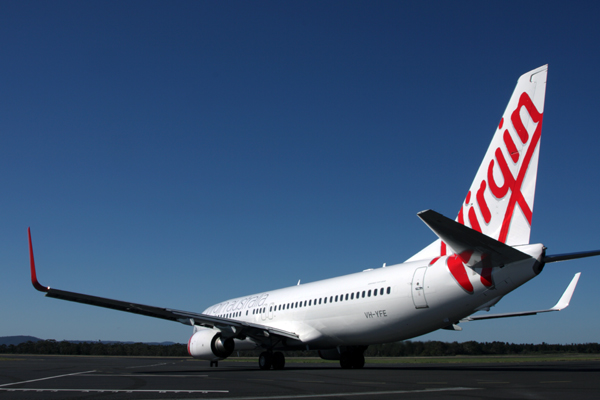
{"type": "Point", "coordinates": [418, 288]}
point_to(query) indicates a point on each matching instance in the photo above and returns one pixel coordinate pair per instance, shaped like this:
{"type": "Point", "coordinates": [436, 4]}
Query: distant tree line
{"type": "Point", "coordinates": [399, 349]}
{"type": "Point", "coordinates": [438, 349]}
{"type": "Point", "coordinates": [95, 349]}
{"type": "Point", "coordinates": [472, 348]}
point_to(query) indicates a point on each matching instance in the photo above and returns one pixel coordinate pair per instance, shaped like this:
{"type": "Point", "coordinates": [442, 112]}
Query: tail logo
{"type": "Point", "coordinates": [510, 183]}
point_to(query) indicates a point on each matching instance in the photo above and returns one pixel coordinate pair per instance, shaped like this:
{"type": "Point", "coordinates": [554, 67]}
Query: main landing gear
{"type": "Point", "coordinates": [352, 359]}
{"type": "Point", "coordinates": [268, 359]}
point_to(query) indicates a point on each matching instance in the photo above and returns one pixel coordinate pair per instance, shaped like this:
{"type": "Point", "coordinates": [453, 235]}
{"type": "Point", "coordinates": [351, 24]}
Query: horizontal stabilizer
{"type": "Point", "coordinates": [561, 305]}
{"type": "Point", "coordinates": [463, 239]}
{"type": "Point", "coordinates": [570, 256]}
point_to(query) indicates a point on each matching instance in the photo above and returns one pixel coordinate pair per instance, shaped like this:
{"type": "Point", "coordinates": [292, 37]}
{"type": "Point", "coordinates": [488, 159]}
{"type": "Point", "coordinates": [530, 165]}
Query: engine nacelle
{"type": "Point", "coordinates": [207, 344]}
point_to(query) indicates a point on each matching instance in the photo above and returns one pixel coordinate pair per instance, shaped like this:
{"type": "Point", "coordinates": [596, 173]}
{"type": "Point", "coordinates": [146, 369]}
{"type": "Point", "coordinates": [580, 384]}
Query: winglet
{"type": "Point", "coordinates": [566, 297]}
{"type": "Point", "coordinates": [34, 280]}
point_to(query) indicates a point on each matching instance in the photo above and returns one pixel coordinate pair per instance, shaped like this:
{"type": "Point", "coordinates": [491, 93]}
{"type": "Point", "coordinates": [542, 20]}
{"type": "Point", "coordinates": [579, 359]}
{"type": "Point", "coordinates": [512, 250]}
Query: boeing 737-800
{"type": "Point", "coordinates": [477, 259]}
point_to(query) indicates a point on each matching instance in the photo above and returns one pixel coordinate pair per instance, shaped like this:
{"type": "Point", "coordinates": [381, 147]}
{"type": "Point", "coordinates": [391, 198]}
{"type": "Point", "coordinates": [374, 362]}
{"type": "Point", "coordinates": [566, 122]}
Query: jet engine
{"type": "Point", "coordinates": [207, 344]}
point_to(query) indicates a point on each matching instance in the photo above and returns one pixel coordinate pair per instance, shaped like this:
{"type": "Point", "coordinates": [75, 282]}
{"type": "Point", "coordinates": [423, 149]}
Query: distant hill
{"type": "Point", "coordinates": [15, 340]}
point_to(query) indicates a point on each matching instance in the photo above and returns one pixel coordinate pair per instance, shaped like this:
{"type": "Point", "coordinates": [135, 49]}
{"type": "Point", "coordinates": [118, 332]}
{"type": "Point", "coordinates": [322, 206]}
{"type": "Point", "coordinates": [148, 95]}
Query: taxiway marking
{"type": "Point", "coordinates": [49, 377]}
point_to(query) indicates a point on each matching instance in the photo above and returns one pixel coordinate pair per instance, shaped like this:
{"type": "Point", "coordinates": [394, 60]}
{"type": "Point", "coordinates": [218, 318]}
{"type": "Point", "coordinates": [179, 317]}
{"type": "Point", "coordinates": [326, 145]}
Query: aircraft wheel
{"type": "Point", "coordinates": [278, 360]}
{"type": "Point", "coordinates": [346, 360]}
{"type": "Point", "coordinates": [265, 360]}
{"type": "Point", "coordinates": [358, 361]}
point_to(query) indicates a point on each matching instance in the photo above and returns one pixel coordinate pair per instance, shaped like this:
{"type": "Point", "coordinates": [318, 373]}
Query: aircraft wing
{"type": "Point", "coordinates": [184, 317]}
{"type": "Point", "coordinates": [563, 303]}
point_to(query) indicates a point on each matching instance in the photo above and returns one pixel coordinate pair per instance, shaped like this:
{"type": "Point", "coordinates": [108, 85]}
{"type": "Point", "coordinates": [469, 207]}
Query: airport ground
{"type": "Point", "coordinates": [79, 377]}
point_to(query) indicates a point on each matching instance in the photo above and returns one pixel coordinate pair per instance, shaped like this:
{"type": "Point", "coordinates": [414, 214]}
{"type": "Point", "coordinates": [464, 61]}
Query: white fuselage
{"type": "Point", "coordinates": [381, 305]}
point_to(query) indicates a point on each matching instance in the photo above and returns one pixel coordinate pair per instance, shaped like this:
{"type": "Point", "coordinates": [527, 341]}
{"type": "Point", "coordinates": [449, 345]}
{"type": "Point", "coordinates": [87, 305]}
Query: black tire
{"type": "Point", "coordinates": [265, 360]}
{"type": "Point", "coordinates": [278, 360]}
{"type": "Point", "coordinates": [346, 360]}
{"type": "Point", "coordinates": [358, 360]}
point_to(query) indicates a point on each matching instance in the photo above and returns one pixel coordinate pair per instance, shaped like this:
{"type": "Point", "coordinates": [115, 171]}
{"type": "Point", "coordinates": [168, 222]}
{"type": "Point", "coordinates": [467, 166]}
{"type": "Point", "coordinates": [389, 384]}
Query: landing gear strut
{"type": "Point", "coordinates": [268, 359]}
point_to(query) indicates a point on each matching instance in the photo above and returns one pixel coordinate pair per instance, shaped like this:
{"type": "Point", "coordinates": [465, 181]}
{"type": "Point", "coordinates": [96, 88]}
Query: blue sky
{"type": "Point", "coordinates": [182, 153]}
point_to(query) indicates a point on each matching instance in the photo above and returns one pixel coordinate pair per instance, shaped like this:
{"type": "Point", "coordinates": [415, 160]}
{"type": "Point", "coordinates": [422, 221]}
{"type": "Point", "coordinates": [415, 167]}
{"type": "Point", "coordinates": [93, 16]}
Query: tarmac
{"type": "Point", "coordinates": [82, 377]}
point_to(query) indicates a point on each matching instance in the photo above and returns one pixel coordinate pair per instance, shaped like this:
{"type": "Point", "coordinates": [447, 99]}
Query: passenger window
{"type": "Point", "coordinates": [331, 299]}
{"type": "Point", "coordinates": [304, 303]}
{"type": "Point", "coordinates": [336, 298]}
{"type": "Point", "coordinates": [375, 292]}
{"type": "Point", "coordinates": [325, 300]}
{"type": "Point", "coordinates": [310, 302]}
{"type": "Point", "coordinates": [319, 301]}
{"type": "Point", "coordinates": [369, 294]}
{"type": "Point", "coordinates": [381, 292]}
{"type": "Point", "coordinates": [352, 296]}
{"type": "Point", "coordinates": [363, 294]}
{"type": "Point", "coordinates": [346, 296]}
{"type": "Point", "coordinates": [389, 289]}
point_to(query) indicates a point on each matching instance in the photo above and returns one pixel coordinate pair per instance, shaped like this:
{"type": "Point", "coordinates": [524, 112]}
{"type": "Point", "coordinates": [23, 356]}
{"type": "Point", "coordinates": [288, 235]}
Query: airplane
{"type": "Point", "coordinates": [477, 259]}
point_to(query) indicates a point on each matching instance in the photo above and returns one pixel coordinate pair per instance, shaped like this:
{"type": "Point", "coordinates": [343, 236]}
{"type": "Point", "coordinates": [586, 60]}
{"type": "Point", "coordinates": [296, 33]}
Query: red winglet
{"type": "Point", "coordinates": [34, 280]}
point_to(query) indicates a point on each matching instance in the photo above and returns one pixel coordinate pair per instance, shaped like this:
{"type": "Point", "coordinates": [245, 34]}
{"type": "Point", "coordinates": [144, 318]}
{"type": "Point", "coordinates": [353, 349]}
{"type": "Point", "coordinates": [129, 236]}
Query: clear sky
{"type": "Point", "coordinates": [181, 153]}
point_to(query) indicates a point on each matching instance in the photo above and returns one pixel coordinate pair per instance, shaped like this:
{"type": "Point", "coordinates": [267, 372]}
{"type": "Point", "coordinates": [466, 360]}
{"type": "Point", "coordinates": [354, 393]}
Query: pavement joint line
{"type": "Point", "coordinates": [49, 377]}
{"type": "Point", "coordinates": [150, 375]}
{"type": "Point", "coordinates": [112, 390]}
{"type": "Point", "coordinates": [349, 394]}
{"type": "Point", "coordinates": [144, 366]}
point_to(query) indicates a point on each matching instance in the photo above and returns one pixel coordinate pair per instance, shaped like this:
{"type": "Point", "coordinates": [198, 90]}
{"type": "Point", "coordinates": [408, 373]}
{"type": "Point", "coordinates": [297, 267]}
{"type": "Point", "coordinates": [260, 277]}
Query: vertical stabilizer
{"type": "Point", "coordinates": [499, 202]}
